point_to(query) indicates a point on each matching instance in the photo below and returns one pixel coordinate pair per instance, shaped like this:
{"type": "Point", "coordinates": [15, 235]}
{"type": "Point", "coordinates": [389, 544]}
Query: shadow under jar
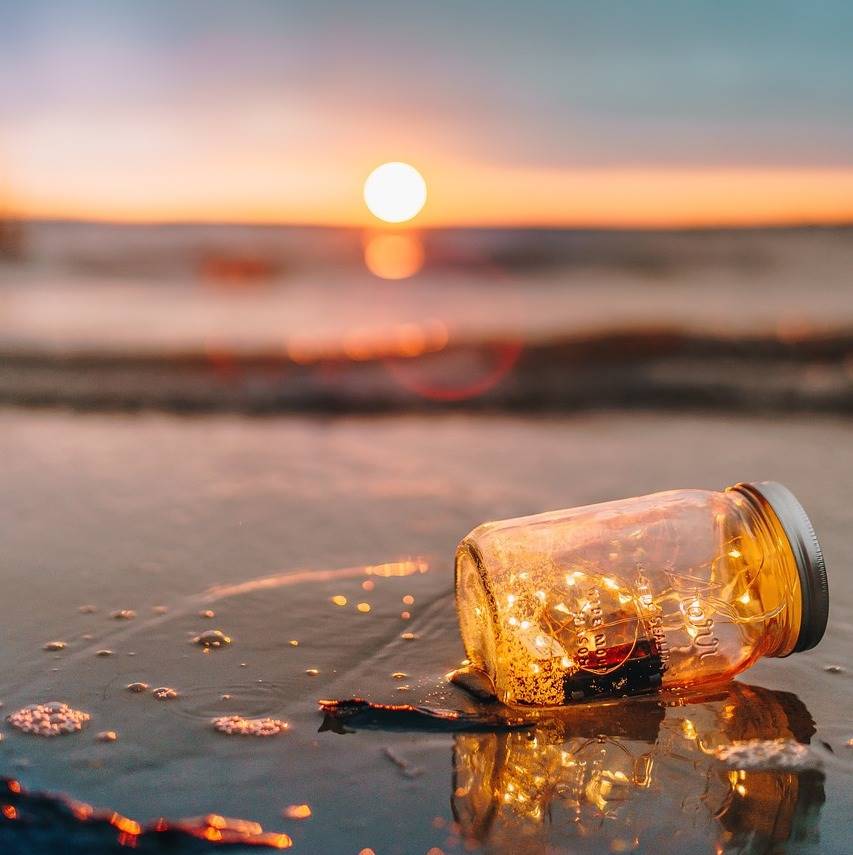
{"type": "Point", "coordinates": [667, 591]}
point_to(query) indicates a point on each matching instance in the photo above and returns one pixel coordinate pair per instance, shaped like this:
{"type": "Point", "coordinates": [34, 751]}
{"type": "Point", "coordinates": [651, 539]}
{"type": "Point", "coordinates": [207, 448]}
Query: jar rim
{"type": "Point", "coordinates": [808, 556]}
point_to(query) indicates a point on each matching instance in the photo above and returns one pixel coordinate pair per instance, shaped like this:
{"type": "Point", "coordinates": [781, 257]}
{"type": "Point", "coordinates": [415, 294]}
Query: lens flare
{"type": "Point", "coordinates": [468, 374]}
{"type": "Point", "coordinates": [395, 192]}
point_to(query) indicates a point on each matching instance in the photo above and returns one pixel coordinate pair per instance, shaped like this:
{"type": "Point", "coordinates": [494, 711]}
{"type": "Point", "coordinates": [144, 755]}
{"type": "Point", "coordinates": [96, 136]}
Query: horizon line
{"type": "Point", "coordinates": [777, 225]}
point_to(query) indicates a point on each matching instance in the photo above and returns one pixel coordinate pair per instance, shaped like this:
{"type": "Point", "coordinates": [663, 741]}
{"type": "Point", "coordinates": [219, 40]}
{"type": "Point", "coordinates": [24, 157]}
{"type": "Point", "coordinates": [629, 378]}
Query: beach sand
{"type": "Point", "coordinates": [264, 521]}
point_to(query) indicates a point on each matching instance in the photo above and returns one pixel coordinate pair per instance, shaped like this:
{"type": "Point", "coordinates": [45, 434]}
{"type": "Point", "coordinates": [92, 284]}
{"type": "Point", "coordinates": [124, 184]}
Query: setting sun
{"type": "Point", "coordinates": [395, 192]}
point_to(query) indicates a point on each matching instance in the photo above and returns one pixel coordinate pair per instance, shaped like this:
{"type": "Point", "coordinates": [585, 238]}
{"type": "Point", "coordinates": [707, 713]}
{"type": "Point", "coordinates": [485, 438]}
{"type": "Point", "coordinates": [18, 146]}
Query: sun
{"type": "Point", "coordinates": [395, 192]}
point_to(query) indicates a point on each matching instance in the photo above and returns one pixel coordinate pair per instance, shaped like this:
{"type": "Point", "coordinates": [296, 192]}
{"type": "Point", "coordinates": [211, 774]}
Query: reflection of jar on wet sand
{"type": "Point", "coordinates": [522, 786]}
{"type": "Point", "coordinates": [653, 776]}
{"type": "Point", "coordinates": [672, 590]}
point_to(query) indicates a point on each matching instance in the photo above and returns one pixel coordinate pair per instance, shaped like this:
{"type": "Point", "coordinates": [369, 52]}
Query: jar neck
{"type": "Point", "coordinates": [778, 580]}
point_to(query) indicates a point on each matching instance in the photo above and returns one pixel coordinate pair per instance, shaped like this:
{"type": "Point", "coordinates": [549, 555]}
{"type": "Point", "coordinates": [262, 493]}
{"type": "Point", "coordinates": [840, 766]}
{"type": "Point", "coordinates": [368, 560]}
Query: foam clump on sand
{"type": "Point", "coordinates": [51, 719]}
{"type": "Point", "coordinates": [236, 725]}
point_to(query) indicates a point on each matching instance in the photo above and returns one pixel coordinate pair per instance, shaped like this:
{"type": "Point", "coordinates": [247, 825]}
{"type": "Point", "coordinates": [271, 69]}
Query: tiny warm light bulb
{"type": "Point", "coordinates": [670, 590]}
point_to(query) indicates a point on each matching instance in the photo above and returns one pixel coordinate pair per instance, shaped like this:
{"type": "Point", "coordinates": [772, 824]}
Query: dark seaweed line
{"type": "Point", "coordinates": [635, 369]}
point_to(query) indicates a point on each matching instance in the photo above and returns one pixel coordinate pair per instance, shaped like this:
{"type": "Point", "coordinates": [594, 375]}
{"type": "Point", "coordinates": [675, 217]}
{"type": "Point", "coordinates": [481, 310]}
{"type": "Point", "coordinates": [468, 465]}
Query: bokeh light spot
{"type": "Point", "coordinates": [394, 256]}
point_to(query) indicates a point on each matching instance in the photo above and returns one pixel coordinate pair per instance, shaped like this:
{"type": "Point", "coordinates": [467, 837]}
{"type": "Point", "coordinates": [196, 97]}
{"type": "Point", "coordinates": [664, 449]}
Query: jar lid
{"type": "Point", "coordinates": [807, 553]}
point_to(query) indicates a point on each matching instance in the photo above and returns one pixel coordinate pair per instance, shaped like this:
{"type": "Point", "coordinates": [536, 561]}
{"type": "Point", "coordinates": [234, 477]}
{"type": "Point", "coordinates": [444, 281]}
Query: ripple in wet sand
{"type": "Point", "coordinates": [252, 700]}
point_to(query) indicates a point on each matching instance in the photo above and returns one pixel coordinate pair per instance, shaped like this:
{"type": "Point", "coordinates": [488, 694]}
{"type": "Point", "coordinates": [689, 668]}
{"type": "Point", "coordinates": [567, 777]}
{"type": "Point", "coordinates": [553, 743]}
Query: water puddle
{"type": "Point", "coordinates": [734, 768]}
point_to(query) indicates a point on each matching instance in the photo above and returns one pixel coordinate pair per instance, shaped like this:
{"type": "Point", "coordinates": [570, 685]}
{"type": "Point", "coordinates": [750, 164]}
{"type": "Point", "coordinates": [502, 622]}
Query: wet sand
{"type": "Point", "coordinates": [263, 522]}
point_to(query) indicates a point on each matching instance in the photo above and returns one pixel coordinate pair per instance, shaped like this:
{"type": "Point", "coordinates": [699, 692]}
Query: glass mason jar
{"type": "Point", "coordinates": [671, 590]}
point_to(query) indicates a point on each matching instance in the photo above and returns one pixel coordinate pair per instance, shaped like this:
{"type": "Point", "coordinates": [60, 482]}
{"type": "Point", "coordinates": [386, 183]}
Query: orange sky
{"type": "Point", "coordinates": [539, 113]}
{"type": "Point", "coordinates": [467, 195]}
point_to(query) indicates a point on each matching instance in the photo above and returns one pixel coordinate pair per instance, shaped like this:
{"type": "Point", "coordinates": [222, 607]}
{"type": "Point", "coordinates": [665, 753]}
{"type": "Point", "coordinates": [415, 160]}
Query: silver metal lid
{"type": "Point", "coordinates": [807, 553]}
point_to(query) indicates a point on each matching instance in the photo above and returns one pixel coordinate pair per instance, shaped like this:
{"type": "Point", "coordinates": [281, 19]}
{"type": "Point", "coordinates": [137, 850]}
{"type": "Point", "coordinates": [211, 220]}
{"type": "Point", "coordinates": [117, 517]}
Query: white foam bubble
{"type": "Point", "coordinates": [236, 725]}
{"type": "Point", "coordinates": [769, 754]}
